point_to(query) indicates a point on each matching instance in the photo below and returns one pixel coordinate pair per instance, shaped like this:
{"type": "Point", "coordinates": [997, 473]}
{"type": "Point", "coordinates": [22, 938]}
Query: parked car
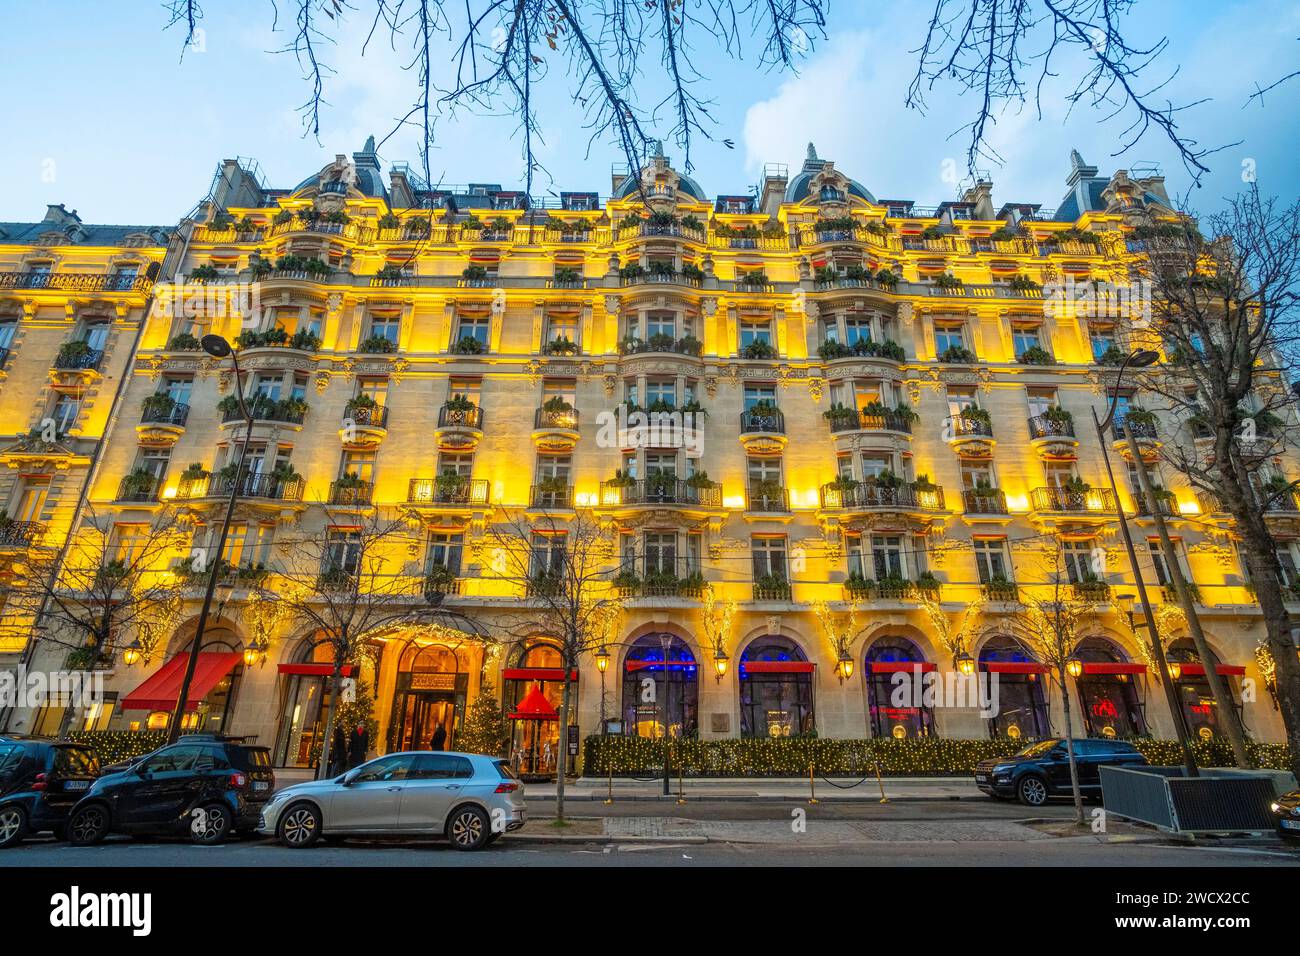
{"type": "Point", "coordinates": [40, 780]}
{"type": "Point", "coordinates": [1287, 810]}
{"type": "Point", "coordinates": [468, 798]}
{"type": "Point", "coordinates": [1042, 770]}
{"type": "Point", "coordinates": [205, 786]}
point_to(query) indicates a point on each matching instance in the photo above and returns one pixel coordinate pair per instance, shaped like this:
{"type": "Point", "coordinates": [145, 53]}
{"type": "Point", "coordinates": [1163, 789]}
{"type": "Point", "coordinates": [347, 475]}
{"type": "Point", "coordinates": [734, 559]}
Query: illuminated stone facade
{"type": "Point", "coordinates": [768, 310]}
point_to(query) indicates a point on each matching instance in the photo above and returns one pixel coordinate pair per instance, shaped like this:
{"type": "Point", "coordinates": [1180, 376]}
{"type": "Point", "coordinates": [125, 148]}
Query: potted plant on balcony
{"type": "Point", "coordinates": [74, 352]}
{"type": "Point", "coordinates": [928, 584]}
{"type": "Point", "coordinates": [833, 350]}
{"type": "Point", "coordinates": [930, 233]}
{"type": "Point", "coordinates": [660, 483]}
{"type": "Point", "coordinates": [629, 344]}
{"type": "Point", "coordinates": [888, 349]}
{"type": "Point", "coordinates": [692, 223]}
{"type": "Point", "coordinates": [975, 415]}
{"type": "Point", "coordinates": [566, 275]}
{"type": "Point", "coordinates": [843, 483]}
{"type": "Point", "coordinates": [885, 479]}
{"type": "Point", "coordinates": [857, 586]}
{"type": "Point", "coordinates": [1076, 486]}
{"type": "Point", "coordinates": [282, 217]}
{"type": "Point", "coordinates": [626, 580]}
{"type": "Point", "coordinates": [283, 473]}
{"type": "Point", "coordinates": [693, 272]}
{"type": "Point", "coordinates": [621, 479]}
{"type": "Point", "coordinates": [904, 413]}
{"type": "Point", "coordinates": [350, 481]}
{"type": "Point", "coordinates": [1036, 355]}
{"type": "Point", "coordinates": [363, 401]}
{"type": "Point", "coordinates": [923, 483]}
{"type": "Point", "coordinates": [1022, 283]}
{"type": "Point", "coordinates": [438, 578]}
{"type": "Point", "coordinates": [204, 273]}
{"type": "Point", "coordinates": [555, 405]}
{"type": "Point", "coordinates": [689, 345]}
{"type": "Point", "coordinates": [661, 341]}
{"type": "Point", "coordinates": [305, 340]}
{"type": "Point", "coordinates": [468, 345]}
{"type": "Point", "coordinates": [758, 349]}
{"type": "Point", "coordinates": [553, 484]}
{"type": "Point", "coordinates": [773, 586]}
{"type": "Point", "coordinates": [957, 355]}
{"type": "Point", "coordinates": [1058, 416]}
{"type": "Point", "coordinates": [887, 278]}
{"type": "Point", "coordinates": [139, 481]}
{"type": "Point", "coordinates": [998, 588]}
{"type": "Point", "coordinates": [946, 280]}
{"type": "Point", "coordinates": [699, 479]}
{"type": "Point", "coordinates": [449, 485]}
{"type": "Point", "coordinates": [765, 407]}
{"type": "Point", "coordinates": [755, 278]}
{"type": "Point", "coordinates": [471, 224]}
{"type": "Point", "coordinates": [768, 489]}
{"type": "Point", "coordinates": [376, 345]}
{"type": "Point", "coordinates": [1004, 234]}
{"type": "Point", "coordinates": [417, 228]}
{"type": "Point", "coordinates": [474, 273]}
{"type": "Point", "coordinates": [630, 221]}
{"type": "Point", "coordinates": [839, 414]}
{"type": "Point", "coordinates": [389, 221]}
{"type": "Point", "coordinates": [633, 270]}
{"type": "Point", "coordinates": [562, 345]}
{"type": "Point", "coordinates": [1113, 356]}
{"type": "Point", "coordinates": [661, 405]}
{"type": "Point", "coordinates": [183, 342]}
{"type": "Point", "coordinates": [1075, 235]}
{"type": "Point", "coordinates": [501, 224]}
{"type": "Point", "coordinates": [158, 406]}
{"type": "Point", "coordinates": [390, 273]}
{"type": "Point", "coordinates": [193, 472]}
{"type": "Point", "coordinates": [291, 409]}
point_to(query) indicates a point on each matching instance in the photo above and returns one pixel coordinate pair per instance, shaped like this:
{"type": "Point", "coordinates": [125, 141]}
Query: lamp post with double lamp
{"type": "Point", "coordinates": [218, 348]}
{"type": "Point", "coordinates": [1141, 358]}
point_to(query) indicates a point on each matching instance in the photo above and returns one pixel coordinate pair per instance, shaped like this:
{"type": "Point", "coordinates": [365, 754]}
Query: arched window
{"type": "Point", "coordinates": [1199, 705]}
{"type": "Point", "coordinates": [776, 689]}
{"type": "Point", "coordinates": [896, 704]}
{"type": "Point", "coordinates": [1022, 705]}
{"type": "Point", "coordinates": [535, 741]}
{"type": "Point", "coordinates": [1108, 695]}
{"type": "Point", "coordinates": [661, 688]}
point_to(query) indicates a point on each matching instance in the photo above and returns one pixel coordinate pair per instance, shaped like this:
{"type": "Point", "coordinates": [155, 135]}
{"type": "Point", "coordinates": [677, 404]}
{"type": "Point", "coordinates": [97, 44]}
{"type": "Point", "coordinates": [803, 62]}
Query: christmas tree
{"type": "Point", "coordinates": [484, 730]}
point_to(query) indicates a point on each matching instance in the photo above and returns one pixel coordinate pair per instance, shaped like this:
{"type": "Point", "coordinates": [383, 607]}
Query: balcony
{"type": "Point", "coordinates": [1166, 506]}
{"type": "Point", "coordinates": [441, 581]}
{"type": "Point", "coordinates": [460, 426]}
{"type": "Point", "coordinates": [869, 418]}
{"type": "Point", "coordinates": [363, 426]}
{"type": "Point", "coordinates": [867, 495]}
{"type": "Point", "coordinates": [83, 359]}
{"type": "Point", "coordinates": [660, 344]}
{"type": "Point", "coordinates": [1006, 592]}
{"type": "Point", "coordinates": [981, 501]}
{"type": "Point", "coordinates": [555, 428]}
{"type": "Point", "coordinates": [1052, 435]}
{"type": "Point", "coordinates": [762, 429]}
{"type": "Point", "coordinates": [268, 487]}
{"type": "Point", "coordinates": [858, 588]}
{"type": "Point", "coordinates": [1096, 591]}
{"type": "Point", "coordinates": [971, 434]}
{"type": "Point", "coordinates": [74, 282]}
{"type": "Point", "coordinates": [168, 412]}
{"type": "Point", "coordinates": [771, 587]}
{"type": "Point", "coordinates": [549, 495]}
{"type": "Point", "coordinates": [662, 577]}
{"type": "Point", "coordinates": [19, 534]}
{"type": "Point", "coordinates": [767, 498]}
{"type": "Point", "coordinates": [139, 488]}
{"type": "Point", "coordinates": [263, 408]}
{"type": "Point", "coordinates": [660, 491]}
{"type": "Point", "coordinates": [1142, 429]}
{"type": "Point", "coordinates": [1098, 502]}
{"type": "Point", "coordinates": [351, 492]}
{"type": "Point", "coordinates": [451, 491]}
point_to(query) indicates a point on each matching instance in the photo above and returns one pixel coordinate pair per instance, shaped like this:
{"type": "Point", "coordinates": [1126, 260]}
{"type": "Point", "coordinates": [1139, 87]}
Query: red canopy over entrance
{"type": "Point", "coordinates": [160, 691]}
{"type": "Point", "coordinates": [535, 706]}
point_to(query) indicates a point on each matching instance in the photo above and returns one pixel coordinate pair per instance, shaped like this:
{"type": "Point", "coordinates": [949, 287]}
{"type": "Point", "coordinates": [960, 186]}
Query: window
{"type": "Point", "coordinates": [130, 542]}
{"type": "Point", "coordinates": [661, 324]}
{"type": "Point", "coordinates": [444, 551]}
{"type": "Point", "coordinates": [467, 388]}
{"type": "Point", "coordinates": [1025, 337]}
{"type": "Point", "coordinates": [153, 460]}
{"type": "Point", "coordinates": [887, 556]}
{"type": "Point", "coordinates": [661, 463]}
{"type": "Point", "coordinates": [360, 464]}
{"type": "Point", "coordinates": [661, 392]}
{"type": "Point", "coordinates": [97, 335]}
{"type": "Point", "coordinates": [178, 388]}
{"type": "Point", "coordinates": [857, 554]}
{"type": "Point", "coordinates": [763, 471]}
{"type": "Point", "coordinates": [1040, 400]}
{"type": "Point", "coordinates": [769, 556]}
{"type": "Point", "coordinates": [1102, 339]}
{"type": "Point", "coordinates": [776, 703]}
{"type": "Point", "coordinates": [65, 412]}
{"type": "Point", "coordinates": [343, 551]}
{"type": "Point", "coordinates": [248, 545]}
{"type": "Point", "coordinates": [960, 399]}
{"type": "Point", "coordinates": [754, 331]}
{"type": "Point", "coordinates": [874, 464]}
{"type": "Point", "coordinates": [857, 329]}
{"type": "Point", "coordinates": [949, 335]}
{"type": "Point", "coordinates": [31, 499]}
{"type": "Point", "coordinates": [563, 327]}
{"type": "Point", "coordinates": [1078, 560]}
{"type": "Point", "coordinates": [991, 561]}
{"type": "Point", "coordinates": [977, 473]}
{"type": "Point", "coordinates": [672, 710]}
{"type": "Point", "coordinates": [830, 329]}
{"type": "Point", "coordinates": [660, 552]}
{"type": "Point", "coordinates": [757, 394]}
{"type": "Point", "coordinates": [456, 463]}
{"type": "Point", "coordinates": [476, 327]}
{"type": "Point", "coordinates": [547, 554]}
{"type": "Point", "coordinates": [7, 329]}
{"type": "Point", "coordinates": [386, 326]}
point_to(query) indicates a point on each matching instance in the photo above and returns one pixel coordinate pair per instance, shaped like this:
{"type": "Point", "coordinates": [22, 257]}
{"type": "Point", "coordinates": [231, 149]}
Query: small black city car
{"type": "Point", "coordinates": [1286, 809]}
{"type": "Point", "coordinates": [1042, 770]}
{"type": "Point", "coordinates": [40, 780]}
{"type": "Point", "coordinates": [203, 786]}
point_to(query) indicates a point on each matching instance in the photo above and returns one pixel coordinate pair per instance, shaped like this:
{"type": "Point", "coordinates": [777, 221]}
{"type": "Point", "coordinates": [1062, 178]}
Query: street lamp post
{"type": "Point", "coordinates": [219, 348]}
{"type": "Point", "coordinates": [602, 664]}
{"type": "Point", "coordinates": [1140, 358]}
{"type": "Point", "coordinates": [666, 641]}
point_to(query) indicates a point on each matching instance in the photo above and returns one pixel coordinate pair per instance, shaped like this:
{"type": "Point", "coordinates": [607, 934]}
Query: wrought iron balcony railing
{"type": "Point", "coordinates": [1091, 501]}
{"type": "Point", "coordinates": [139, 488]}
{"type": "Point", "coordinates": [79, 361]}
{"type": "Point", "coordinates": [767, 498]}
{"type": "Point", "coordinates": [18, 534]}
{"type": "Point", "coordinates": [984, 502]}
{"type": "Point", "coordinates": [372, 416]}
{"type": "Point", "coordinates": [1041, 426]}
{"type": "Point", "coordinates": [566, 418]}
{"type": "Point", "coordinates": [660, 491]}
{"type": "Point", "coordinates": [455, 490]}
{"type": "Point", "coordinates": [660, 576]}
{"type": "Point", "coordinates": [547, 495]}
{"type": "Point", "coordinates": [450, 416]}
{"type": "Point", "coordinates": [852, 419]}
{"type": "Point", "coordinates": [160, 413]}
{"type": "Point", "coordinates": [759, 419]}
{"type": "Point", "coordinates": [870, 495]}
{"type": "Point", "coordinates": [351, 492]}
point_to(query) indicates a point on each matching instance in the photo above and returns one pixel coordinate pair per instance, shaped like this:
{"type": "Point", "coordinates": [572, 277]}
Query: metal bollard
{"type": "Point", "coordinates": [609, 792]}
{"type": "Point", "coordinates": [812, 786]}
{"type": "Point", "coordinates": [881, 782]}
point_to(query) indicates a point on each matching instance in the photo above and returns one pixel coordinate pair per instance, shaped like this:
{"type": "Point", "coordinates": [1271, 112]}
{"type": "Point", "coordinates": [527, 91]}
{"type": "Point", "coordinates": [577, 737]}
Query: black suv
{"type": "Point", "coordinates": [40, 780]}
{"type": "Point", "coordinates": [1042, 770]}
{"type": "Point", "coordinates": [205, 786]}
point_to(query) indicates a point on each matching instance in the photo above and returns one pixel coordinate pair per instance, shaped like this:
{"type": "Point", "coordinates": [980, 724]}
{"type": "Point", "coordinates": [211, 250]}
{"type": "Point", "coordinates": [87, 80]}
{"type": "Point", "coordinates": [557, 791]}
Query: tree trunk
{"type": "Point", "coordinates": [336, 691]}
{"type": "Point", "coordinates": [562, 755]}
{"type": "Point", "coordinates": [1069, 749]}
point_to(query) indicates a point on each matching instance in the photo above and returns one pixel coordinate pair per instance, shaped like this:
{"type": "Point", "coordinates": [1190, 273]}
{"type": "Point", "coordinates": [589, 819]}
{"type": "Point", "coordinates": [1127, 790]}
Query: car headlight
{"type": "Point", "coordinates": [1276, 807]}
{"type": "Point", "coordinates": [1002, 768]}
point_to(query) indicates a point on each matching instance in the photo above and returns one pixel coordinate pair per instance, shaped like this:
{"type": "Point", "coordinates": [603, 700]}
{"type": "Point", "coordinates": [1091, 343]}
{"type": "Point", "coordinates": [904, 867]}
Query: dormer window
{"type": "Point", "coordinates": [831, 194]}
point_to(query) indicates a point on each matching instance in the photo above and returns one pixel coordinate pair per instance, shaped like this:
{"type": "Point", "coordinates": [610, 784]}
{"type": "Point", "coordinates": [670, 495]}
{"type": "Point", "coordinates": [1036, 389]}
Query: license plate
{"type": "Point", "coordinates": [981, 778]}
{"type": "Point", "coordinates": [76, 785]}
{"type": "Point", "coordinates": [260, 785]}
{"type": "Point", "coordinates": [1291, 824]}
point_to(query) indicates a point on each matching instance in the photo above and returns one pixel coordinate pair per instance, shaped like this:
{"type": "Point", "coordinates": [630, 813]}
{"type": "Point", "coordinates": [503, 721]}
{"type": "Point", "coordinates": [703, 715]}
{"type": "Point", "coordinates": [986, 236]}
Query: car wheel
{"type": "Point", "coordinates": [299, 826]}
{"type": "Point", "coordinates": [212, 826]}
{"type": "Point", "coordinates": [468, 828]}
{"type": "Point", "coordinates": [1032, 791]}
{"type": "Point", "coordinates": [13, 825]}
{"type": "Point", "coordinates": [88, 826]}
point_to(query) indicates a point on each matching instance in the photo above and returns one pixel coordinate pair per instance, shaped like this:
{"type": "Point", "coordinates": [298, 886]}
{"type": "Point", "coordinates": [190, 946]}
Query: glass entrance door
{"type": "Point", "coordinates": [423, 716]}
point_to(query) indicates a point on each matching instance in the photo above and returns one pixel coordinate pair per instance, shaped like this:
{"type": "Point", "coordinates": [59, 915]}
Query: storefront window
{"type": "Point", "coordinates": [306, 709]}
{"type": "Point", "coordinates": [1110, 702]}
{"type": "Point", "coordinates": [1199, 705]}
{"type": "Point", "coordinates": [1022, 705]}
{"type": "Point", "coordinates": [661, 696]}
{"type": "Point", "coordinates": [892, 706]}
{"type": "Point", "coordinates": [535, 743]}
{"type": "Point", "coordinates": [776, 695]}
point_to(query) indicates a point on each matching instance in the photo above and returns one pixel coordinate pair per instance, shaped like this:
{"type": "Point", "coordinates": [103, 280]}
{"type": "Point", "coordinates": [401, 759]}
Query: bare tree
{"type": "Point", "coordinates": [502, 52]}
{"type": "Point", "coordinates": [563, 566]}
{"type": "Point", "coordinates": [1049, 618]}
{"type": "Point", "coordinates": [1225, 308]}
{"type": "Point", "coordinates": [347, 581]}
{"type": "Point", "coordinates": [111, 589]}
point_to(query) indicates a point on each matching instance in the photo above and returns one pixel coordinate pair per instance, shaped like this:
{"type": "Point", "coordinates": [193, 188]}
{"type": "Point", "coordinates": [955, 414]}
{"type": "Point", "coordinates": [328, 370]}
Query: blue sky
{"type": "Point", "coordinates": [108, 120]}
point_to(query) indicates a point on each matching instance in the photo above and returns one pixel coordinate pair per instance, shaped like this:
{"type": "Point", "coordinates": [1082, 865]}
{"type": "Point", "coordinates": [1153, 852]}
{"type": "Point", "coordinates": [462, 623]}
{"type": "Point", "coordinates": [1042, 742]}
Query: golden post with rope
{"type": "Point", "coordinates": [812, 785]}
{"type": "Point", "coordinates": [880, 781]}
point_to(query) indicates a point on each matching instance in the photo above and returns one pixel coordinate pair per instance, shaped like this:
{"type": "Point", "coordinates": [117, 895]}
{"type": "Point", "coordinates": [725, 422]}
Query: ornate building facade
{"type": "Point", "coordinates": [893, 418]}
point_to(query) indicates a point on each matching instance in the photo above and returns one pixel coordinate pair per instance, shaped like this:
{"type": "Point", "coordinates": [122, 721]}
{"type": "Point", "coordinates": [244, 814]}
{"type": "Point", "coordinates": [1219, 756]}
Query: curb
{"type": "Point", "coordinates": [749, 798]}
{"type": "Point", "coordinates": [602, 838]}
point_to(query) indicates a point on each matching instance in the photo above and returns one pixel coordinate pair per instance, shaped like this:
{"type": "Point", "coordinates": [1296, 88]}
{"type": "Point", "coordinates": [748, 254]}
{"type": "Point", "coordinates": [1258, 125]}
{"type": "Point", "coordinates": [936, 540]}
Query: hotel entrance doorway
{"type": "Point", "coordinates": [429, 699]}
{"type": "Point", "coordinates": [428, 722]}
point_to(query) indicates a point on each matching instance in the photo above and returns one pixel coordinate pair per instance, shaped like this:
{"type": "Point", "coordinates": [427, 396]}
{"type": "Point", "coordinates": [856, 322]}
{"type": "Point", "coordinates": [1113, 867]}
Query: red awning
{"type": "Point", "coordinates": [314, 670]}
{"type": "Point", "coordinates": [1014, 667]}
{"type": "Point", "coordinates": [537, 673]}
{"type": "Point", "coordinates": [535, 706]}
{"type": "Point", "coordinates": [894, 667]}
{"type": "Point", "coordinates": [160, 691]}
{"type": "Point", "coordinates": [1101, 668]}
{"type": "Point", "coordinates": [777, 667]}
{"type": "Point", "coordinates": [1198, 670]}
{"type": "Point", "coordinates": [642, 665]}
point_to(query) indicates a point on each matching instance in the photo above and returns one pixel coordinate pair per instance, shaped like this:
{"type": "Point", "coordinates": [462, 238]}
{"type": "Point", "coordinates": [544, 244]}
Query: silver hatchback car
{"type": "Point", "coordinates": [469, 798]}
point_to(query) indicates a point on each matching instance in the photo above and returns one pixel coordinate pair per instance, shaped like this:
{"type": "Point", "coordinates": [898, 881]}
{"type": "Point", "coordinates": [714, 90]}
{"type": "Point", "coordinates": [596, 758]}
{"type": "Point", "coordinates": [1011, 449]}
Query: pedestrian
{"type": "Point", "coordinates": [358, 744]}
{"type": "Point", "coordinates": [338, 753]}
{"type": "Point", "coordinates": [439, 741]}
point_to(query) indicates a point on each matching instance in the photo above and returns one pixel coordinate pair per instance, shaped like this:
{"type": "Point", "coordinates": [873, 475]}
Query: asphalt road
{"type": "Point", "coordinates": [508, 853]}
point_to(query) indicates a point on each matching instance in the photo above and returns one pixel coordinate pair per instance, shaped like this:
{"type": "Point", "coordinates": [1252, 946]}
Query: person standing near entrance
{"type": "Point", "coordinates": [439, 741]}
{"type": "Point", "coordinates": [358, 742]}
